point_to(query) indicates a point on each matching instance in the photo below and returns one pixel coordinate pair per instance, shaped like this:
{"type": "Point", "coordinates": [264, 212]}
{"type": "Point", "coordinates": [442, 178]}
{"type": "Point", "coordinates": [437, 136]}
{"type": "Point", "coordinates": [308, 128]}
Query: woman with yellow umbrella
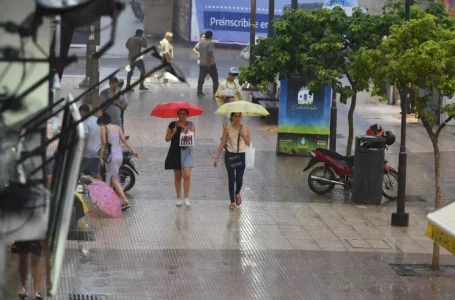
{"type": "Point", "coordinates": [229, 91]}
{"type": "Point", "coordinates": [236, 138]}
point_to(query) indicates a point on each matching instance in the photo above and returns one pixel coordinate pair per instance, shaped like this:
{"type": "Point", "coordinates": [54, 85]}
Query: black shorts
{"type": "Point", "coordinates": [27, 247]}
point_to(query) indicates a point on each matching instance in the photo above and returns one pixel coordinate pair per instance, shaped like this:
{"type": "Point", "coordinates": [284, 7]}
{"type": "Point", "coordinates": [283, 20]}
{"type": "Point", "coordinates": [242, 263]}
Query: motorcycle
{"type": "Point", "coordinates": [138, 9]}
{"type": "Point", "coordinates": [126, 172]}
{"type": "Point", "coordinates": [339, 169]}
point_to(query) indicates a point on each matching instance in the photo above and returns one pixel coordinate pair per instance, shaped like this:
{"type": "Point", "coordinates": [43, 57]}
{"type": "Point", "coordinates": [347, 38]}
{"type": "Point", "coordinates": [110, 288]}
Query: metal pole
{"type": "Point", "coordinates": [407, 10]}
{"type": "Point", "coordinates": [2, 265]}
{"type": "Point", "coordinates": [94, 68]}
{"type": "Point", "coordinates": [400, 218]}
{"type": "Point", "coordinates": [271, 17]}
{"type": "Point", "coordinates": [252, 30]}
{"type": "Point", "coordinates": [333, 122]}
{"type": "Point", "coordinates": [295, 4]}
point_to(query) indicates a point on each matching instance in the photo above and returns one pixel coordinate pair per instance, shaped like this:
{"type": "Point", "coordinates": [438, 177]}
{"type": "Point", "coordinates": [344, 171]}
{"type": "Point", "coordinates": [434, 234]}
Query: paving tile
{"type": "Point", "coordinates": [284, 242]}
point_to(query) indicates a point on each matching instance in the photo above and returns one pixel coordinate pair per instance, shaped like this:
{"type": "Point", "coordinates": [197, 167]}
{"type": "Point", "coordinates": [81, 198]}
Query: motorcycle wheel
{"type": "Point", "coordinates": [390, 185]}
{"type": "Point", "coordinates": [127, 178]}
{"type": "Point", "coordinates": [320, 187]}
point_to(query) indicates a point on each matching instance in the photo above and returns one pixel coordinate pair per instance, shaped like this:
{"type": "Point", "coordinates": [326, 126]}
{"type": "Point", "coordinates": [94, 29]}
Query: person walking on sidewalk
{"type": "Point", "coordinates": [166, 49]}
{"type": "Point", "coordinates": [114, 110]}
{"type": "Point", "coordinates": [180, 159]}
{"type": "Point", "coordinates": [32, 249]}
{"type": "Point", "coordinates": [196, 51]}
{"type": "Point", "coordinates": [111, 135]}
{"type": "Point", "coordinates": [236, 138]}
{"type": "Point", "coordinates": [207, 63]}
{"type": "Point", "coordinates": [92, 143]}
{"type": "Point", "coordinates": [134, 45]}
{"type": "Point", "coordinates": [229, 91]}
{"type": "Point", "coordinates": [122, 116]}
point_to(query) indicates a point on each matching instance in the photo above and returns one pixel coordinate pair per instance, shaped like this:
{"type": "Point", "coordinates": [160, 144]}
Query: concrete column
{"type": "Point", "coordinates": [158, 17]}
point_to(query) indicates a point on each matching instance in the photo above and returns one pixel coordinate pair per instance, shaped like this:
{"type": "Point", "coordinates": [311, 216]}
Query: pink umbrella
{"type": "Point", "coordinates": [105, 198]}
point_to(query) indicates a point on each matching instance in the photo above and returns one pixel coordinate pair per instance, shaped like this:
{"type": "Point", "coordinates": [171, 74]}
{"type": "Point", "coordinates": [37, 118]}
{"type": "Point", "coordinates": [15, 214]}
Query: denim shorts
{"type": "Point", "coordinates": [92, 164]}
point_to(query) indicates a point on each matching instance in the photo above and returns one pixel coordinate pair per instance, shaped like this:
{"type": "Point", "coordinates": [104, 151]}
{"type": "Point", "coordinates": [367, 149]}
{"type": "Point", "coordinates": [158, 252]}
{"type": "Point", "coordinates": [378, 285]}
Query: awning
{"type": "Point", "coordinates": [441, 227]}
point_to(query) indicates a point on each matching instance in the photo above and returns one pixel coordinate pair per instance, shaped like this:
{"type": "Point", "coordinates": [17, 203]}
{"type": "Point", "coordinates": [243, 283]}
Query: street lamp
{"type": "Point", "coordinates": [271, 17]}
{"type": "Point", "coordinates": [401, 218]}
{"type": "Point", "coordinates": [252, 30]}
{"type": "Point", "coordinates": [295, 4]}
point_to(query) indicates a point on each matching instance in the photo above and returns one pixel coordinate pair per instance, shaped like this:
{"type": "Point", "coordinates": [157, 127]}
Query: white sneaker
{"type": "Point", "coordinates": [179, 202]}
{"type": "Point", "coordinates": [187, 202]}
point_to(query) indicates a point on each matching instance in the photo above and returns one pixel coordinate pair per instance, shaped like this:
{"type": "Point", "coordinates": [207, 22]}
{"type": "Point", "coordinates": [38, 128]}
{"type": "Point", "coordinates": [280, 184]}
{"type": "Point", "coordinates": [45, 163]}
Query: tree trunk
{"type": "Point", "coordinates": [437, 198]}
{"type": "Point", "coordinates": [351, 124]}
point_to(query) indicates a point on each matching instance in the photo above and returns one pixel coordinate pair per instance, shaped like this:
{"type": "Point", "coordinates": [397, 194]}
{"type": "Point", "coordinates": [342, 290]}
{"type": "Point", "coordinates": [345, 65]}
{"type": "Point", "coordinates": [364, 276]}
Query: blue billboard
{"type": "Point", "coordinates": [230, 19]}
{"type": "Point", "coordinates": [303, 117]}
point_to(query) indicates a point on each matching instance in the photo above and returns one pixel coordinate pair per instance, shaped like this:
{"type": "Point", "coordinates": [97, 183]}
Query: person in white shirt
{"type": "Point", "coordinates": [93, 143]}
{"type": "Point", "coordinates": [166, 49]}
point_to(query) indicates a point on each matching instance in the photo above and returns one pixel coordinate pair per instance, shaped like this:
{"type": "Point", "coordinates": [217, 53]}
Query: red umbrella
{"type": "Point", "coordinates": [170, 109]}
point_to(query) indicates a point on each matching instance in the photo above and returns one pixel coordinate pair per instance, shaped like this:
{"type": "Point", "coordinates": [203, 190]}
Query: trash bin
{"type": "Point", "coordinates": [368, 169]}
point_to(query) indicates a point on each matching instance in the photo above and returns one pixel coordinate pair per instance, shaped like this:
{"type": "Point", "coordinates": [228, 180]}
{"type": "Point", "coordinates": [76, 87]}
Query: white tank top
{"type": "Point", "coordinates": [231, 143]}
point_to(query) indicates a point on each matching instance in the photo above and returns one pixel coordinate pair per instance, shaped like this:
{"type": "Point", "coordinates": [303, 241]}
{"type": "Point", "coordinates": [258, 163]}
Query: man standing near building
{"type": "Point", "coordinates": [114, 110]}
{"type": "Point", "coordinates": [166, 49]}
{"type": "Point", "coordinates": [207, 64]}
{"type": "Point", "coordinates": [134, 46]}
{"type": "Point", "coordinates": [92, 143]}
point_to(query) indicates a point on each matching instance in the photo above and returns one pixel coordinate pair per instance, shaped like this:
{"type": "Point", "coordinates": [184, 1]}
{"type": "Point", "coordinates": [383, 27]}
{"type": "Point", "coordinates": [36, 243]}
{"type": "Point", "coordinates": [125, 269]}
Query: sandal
{"type": "Point", "coordinates": [125, 206]}
{"type": "Point", "coordinates": [232, 206]}
{"type": "Point", "coordinates": [238, 199]}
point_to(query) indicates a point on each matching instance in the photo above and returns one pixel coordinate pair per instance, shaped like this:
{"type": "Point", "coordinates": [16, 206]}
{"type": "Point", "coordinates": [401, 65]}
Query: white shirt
{"type": "Point", "coordinates": [92, 132]}
{"type": "Point", "coordinates": [166, 48]}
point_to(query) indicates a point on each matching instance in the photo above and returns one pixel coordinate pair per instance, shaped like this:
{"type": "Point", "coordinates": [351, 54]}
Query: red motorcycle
{"type": "Point", "coordinates": [339, 169]}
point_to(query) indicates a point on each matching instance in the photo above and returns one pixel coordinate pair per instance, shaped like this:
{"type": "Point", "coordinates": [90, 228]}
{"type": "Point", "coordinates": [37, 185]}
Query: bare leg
{"type": "Point", "coordinates": [97, 176]}
{"type": "Point", "coordinates": [47, 266]}
{"type": "Point", "coordinates": [36, 272]}
{"type": "Point", "coordinates": [23, 268]}
{"type": "Point", "coordinates": [119, 190]}
{"type": "Point", "coordinates": [186, 182]}
{"type": "Point", "coordinates": [178, 183]}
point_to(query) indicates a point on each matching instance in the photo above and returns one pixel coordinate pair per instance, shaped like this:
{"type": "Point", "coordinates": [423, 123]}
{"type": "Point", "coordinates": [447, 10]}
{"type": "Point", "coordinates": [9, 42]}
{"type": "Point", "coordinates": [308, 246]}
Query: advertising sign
{"type": "Point", "coordinates": [230, 19]}
{"type": "Point", "coordinates": [347, 5]}
{"type": "Point", "coordinates": [303, 117]}
{"type": "Point", "coordinates": [441, 227]}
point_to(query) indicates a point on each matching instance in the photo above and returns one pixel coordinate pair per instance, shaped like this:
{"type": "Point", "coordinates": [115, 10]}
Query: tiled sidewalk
{"type": "Point", "coordinates": [284, 243]}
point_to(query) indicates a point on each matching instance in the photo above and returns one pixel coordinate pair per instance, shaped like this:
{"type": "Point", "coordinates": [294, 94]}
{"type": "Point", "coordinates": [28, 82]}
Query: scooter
{"type": "Point", "coordinates": [126, 172]}
{"type": "Point", "coordinates": [339, 169]}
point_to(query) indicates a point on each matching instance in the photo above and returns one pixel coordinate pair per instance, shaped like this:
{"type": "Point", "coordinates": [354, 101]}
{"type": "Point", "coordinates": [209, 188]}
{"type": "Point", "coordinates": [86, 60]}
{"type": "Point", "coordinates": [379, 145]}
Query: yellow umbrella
{"type": "Point", "coordinates": [244, 107]}
{"type": "Point", "coordinates": [80, 222]}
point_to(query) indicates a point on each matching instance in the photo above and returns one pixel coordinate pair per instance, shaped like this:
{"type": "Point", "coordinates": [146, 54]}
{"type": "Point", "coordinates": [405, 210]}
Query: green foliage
{"type": "Point", "coordinates": [420, 52]}
{"type": "Point", "coordinates": [302, 39]}
{"type": "Point", "coordinates": [320, 45]}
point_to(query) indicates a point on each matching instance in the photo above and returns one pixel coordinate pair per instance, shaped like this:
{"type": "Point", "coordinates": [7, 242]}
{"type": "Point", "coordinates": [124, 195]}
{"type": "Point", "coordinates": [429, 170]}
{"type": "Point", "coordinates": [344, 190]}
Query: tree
{"type": "Point", "coordinates": [296, 32]}
{"type": "Point", "coordinates": [321, 45]}
{"type": "Point", "coordinates": [420, 53]}
{"type": "Point", "coordinates": [363, 31]}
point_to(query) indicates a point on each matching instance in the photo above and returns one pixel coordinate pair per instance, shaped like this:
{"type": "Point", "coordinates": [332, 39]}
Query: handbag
{"type": "Point", "coordinates": [234, 160]}
{"type": "Point", "coordinates": [249, 157]}
{"type": "Point", "coordinates": [107, 149]}
{"type": "Point", "coordinates": [186, 139]}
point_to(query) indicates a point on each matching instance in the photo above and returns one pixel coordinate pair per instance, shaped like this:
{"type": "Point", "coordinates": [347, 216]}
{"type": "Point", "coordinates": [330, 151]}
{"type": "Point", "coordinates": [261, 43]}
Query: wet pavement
{"type": "Point", "coordinates": [285, 242]}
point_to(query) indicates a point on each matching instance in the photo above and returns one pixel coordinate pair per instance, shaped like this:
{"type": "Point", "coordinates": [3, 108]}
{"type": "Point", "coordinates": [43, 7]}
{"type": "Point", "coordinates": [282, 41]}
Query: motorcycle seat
{"type": "Point", "coordinates": [126, 151]}
{"type": "Point", "coordinates": [336, 155]}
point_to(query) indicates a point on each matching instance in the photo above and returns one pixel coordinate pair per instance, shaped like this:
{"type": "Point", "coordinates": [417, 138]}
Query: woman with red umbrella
{"type": "Point", "coordinates": [180, 155]}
